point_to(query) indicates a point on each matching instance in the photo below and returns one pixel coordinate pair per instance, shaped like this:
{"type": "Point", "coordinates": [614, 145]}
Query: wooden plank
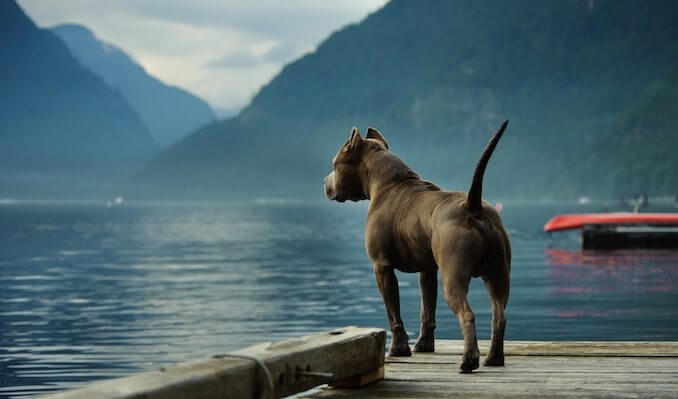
{"type": "Point", "coordinates": [526, 364]}
{"type": "Point", "coordinates": [606, 349]}
{"type": "Point", "coordinates": [292, 364]}
{"type": "Point", "coordinates": [359, 380]}
{"type": "Point", "coordinates": [444, 358]}
{"type": "Point", "coordinates": [406, 390]}
{"type": "Point", "coordinates": [582, 377]}
{"type": "Point", "coordinates": [567, 348]}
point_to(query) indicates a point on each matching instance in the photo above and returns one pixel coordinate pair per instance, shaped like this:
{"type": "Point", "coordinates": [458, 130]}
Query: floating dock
{"type": "Point", "coordinates": [349, 362]}
{"type": "Point", "coordinates": [534, 369]}
{"type": "Point", "coordinates": [620, 230]}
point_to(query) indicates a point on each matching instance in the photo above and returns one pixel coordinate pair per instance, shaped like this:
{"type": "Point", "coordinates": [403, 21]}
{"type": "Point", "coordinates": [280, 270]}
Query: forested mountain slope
{"type": "Point", "coordinates": [437, 78]}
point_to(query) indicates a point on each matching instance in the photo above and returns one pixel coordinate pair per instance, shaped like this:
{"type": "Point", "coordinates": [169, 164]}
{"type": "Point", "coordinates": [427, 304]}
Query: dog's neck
{"type": "Point", "coordinates": [383, 171]}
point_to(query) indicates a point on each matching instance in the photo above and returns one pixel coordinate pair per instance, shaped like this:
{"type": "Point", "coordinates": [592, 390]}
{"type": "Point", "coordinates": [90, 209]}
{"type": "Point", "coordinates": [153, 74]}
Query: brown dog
{"type": "Point", "coordinates": [414, 226]}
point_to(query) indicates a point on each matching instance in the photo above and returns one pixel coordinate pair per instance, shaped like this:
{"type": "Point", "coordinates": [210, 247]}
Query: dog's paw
{"type": "Point", "coordinates": [424, 345]}
{"type": "Point", "coordinates": [400, 350]}
{"type": "Point", "coordinates": [399, 343]}
{"type": "Point", "coordinates": [469, 364]}
{"type": "Point", "coordinates": [493, 361]}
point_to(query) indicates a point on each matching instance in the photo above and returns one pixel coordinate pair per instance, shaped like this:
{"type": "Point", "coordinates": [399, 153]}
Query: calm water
{"type": "Point", "coordinates": [89, 292]}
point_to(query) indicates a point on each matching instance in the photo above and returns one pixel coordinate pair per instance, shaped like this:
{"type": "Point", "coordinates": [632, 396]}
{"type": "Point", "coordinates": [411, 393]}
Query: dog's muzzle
{"type": "Point", "coordinates": [330, 188]}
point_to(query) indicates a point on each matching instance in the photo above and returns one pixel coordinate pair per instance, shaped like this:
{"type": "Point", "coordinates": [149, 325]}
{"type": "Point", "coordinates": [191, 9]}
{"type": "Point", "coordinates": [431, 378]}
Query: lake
{"type": "Point", "coordinates": [89, 291]}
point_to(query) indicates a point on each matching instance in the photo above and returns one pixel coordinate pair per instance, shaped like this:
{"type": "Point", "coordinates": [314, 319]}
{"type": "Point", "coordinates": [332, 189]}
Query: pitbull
{"type": "Point", "coordinates": [415, 227]}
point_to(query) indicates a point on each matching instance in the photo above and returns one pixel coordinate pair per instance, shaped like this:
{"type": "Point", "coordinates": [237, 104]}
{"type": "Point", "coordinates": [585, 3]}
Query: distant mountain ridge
{"type": "Point", "coordinates": [437, 77]}
{"type": "Point", "coordinates": [169, 112]}
{"type": "Point", "coordinates": [59, 123]}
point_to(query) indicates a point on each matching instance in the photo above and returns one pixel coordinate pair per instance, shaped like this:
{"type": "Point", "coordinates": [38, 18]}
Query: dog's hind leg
{"type": "Point", "coordinates": [456, 275]}
{"type": "Point", "coordinates": [428, 285]}
{"type": "Point", "coordinates": [497, 285]}
{"type": "Point", "coordinates": [388, 286]}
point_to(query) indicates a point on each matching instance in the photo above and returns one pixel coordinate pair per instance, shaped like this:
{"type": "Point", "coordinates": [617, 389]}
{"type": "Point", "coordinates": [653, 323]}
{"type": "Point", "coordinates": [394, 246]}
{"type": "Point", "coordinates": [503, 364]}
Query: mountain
{"type": "Point", "coordinates": [641, 146]}
{"type": "Point", "coordinates": [437, 78]}
{"type": "Point", "coordinates": [169, 112]}
{"type": "Point", "coordinates": [60, 125]}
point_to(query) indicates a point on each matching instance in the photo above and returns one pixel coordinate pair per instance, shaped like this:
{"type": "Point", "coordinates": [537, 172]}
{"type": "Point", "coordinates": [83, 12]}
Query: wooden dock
{"type": "Point", "coordinates": [351, 360]}
{"type": "Point", "coordinates": [533, 369]}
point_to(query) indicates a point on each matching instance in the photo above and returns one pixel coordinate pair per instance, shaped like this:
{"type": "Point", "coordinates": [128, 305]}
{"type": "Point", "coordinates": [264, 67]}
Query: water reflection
{"type": "Point", "coordinates": [585, 271]}
{"type": "Point", "coordinates": [624, 285]}
{"type": "Point", "coordinates": [89, 292]}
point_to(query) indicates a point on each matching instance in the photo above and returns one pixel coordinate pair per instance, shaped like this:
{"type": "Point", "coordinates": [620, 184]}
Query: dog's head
{"type": "Point", "coordinates": [348, 178]}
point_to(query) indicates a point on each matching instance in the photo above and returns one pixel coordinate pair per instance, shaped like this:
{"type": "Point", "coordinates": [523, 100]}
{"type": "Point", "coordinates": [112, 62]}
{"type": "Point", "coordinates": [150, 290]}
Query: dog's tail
{"type": "Point", "coordinates": [474, 199]}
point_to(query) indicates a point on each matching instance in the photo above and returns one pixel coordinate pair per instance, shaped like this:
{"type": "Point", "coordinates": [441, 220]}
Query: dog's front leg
{"type": "Point", "coordinates": [388, 286]}
{"type": "Point", "coordinates": [428, 285]}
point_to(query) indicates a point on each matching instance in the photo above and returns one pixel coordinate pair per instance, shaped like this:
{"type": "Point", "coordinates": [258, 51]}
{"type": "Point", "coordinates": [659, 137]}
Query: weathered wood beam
{"type": "Point", "coordinates": [342, 355]}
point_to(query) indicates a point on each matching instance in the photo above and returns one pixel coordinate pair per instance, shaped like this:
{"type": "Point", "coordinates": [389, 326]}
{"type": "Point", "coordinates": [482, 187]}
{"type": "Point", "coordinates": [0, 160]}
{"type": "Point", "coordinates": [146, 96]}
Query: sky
{"type": "Point", "coordinates": [221, 50]}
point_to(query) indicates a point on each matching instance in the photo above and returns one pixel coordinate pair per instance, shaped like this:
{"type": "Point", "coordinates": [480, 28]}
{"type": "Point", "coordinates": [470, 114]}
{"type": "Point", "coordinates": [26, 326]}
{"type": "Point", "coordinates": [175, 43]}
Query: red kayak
{"type": "Point", "coordinates": [579, 220]}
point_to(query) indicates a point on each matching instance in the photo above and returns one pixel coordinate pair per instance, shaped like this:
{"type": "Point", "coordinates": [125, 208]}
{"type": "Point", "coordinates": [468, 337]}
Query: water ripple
{"type": "Point", "coordinates": [88, 292]}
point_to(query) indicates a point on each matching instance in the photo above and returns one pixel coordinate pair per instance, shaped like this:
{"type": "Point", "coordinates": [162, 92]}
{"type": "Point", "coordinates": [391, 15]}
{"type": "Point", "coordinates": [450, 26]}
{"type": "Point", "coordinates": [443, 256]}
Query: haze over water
{"type": "Point", "coordinates": [90, 292]}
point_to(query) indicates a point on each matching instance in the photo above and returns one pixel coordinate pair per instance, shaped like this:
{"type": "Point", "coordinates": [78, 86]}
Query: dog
{"type": "Point", "coordinates": [415, 227]}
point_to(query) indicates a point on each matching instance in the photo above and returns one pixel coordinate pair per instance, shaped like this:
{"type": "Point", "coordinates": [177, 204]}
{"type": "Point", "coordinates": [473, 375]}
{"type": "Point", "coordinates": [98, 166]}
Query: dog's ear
{"type": "Point", "coordinates": [373, 133]}
{"type": "Point", "coordinates": [354, 140]}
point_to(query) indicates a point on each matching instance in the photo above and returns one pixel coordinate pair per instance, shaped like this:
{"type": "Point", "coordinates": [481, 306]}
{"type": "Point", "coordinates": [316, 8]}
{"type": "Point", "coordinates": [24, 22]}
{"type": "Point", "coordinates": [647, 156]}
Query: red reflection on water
{"type": "Point", "coordinates": [601, 275]}
{"type": "Point", "coordinates": [622, 257]}
{"type": "Point", "coordinates": [573, 314]}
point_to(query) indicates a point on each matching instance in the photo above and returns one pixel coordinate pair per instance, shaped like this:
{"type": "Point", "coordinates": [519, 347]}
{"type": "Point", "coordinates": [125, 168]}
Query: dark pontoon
{"type": "Point", "coordinates": [620, 229]}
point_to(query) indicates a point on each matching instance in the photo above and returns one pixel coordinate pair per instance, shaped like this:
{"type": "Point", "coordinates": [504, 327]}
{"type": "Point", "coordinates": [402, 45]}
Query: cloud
{"type": "Point", "coordinates": [238, 59]}
{"type": "Point", "coordinates": [268, 18]}
{"type": "Point", "coordinates": [223, 51]}
{"type": "Point", "coordinates": [244, 58]}
{"type": "Point", "coordinates": [284, 51]}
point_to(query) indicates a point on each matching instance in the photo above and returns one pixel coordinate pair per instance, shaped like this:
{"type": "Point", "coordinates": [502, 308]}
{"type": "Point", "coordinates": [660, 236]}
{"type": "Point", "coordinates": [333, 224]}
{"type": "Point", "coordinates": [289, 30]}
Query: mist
{"type": "Point", "coordinates": [590, 111]}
